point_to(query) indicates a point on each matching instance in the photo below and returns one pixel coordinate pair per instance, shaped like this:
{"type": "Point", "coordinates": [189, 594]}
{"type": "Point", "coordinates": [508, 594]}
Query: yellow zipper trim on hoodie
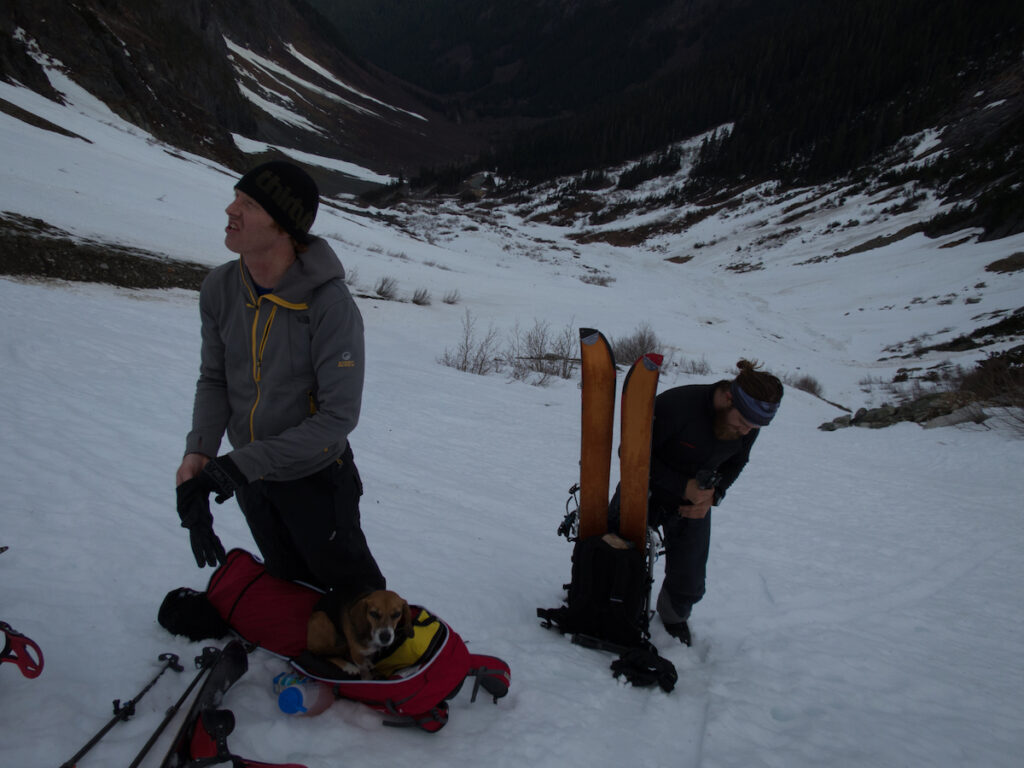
{"type": "Point", "coordinates": [257, 359]}
{"type": "Point", "coordinates": [282, 303]}
{"type": "Point", "coordinates": [256, 302]}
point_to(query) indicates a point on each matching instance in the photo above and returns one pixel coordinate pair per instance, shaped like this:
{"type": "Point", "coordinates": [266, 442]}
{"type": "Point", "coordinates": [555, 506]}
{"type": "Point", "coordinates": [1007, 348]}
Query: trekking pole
{"type": "Point", "coordinates": [124, 712]}
{"type": "Point", "coordinates": [652, 555]}
{"type": "Point", "coordinates": [203, 663]}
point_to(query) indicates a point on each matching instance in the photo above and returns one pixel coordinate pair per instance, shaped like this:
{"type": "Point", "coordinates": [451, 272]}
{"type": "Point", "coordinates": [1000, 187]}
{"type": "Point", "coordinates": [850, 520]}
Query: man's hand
{"type": "Point", "coordinates": [198, 477]}
{"type": "Point", "coordinates": [220, 475]}
{"type": "Point", "coordinates": [700, 500]}
{"type": "Point", "coordinates": [191, 466]}
{"type": "Point", "coordinates": [194, 511]}
{"type": "Point", "coordinates": [223, 476]}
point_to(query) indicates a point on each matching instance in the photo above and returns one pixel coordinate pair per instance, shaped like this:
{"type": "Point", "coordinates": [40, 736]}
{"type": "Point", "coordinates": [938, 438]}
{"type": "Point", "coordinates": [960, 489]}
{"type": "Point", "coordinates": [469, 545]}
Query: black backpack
{"type": "Point", "coordinates": [606, 605]}
{"type": "Point", "coordinates": [606, 609]}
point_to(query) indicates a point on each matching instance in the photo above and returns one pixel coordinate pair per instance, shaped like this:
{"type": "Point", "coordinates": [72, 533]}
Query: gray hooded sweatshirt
{"type": "Point", "coordinates": [282, 373]}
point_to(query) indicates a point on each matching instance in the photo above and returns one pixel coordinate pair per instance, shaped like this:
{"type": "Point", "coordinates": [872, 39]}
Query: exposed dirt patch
{"type": "Point", "coordinates": [881, 242]}
{"type": "Point", "coordinates": [1012, 263]}
{"type": "Point", "coordinates": [1009, 328]}
{"type": "Point", "coordinates": [622, 238]}
{"type": "Point", "coordinates": [628, 238]}
{"type": "Point", "coordinates": [746, 266]}
{"type": "Point", "coordinates": [37, 122]}
{"type": "Point", "coordinates": [31, 247]}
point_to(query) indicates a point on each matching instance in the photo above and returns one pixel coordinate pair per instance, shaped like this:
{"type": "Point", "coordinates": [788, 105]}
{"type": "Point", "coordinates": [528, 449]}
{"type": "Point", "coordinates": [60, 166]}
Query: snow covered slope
{"type": "Point", "coordinates": [864, 604]}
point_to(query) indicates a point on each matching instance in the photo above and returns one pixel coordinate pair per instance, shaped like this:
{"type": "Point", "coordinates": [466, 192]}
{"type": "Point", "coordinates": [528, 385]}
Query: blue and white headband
{"type": "Point", "coordinates": [757, 412]}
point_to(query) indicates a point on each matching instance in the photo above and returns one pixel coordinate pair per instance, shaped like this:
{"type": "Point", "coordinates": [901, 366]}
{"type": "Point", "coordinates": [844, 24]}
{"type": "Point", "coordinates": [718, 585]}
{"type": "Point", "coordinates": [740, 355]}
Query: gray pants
{"type": "Point", "coordinates": [687, 543]}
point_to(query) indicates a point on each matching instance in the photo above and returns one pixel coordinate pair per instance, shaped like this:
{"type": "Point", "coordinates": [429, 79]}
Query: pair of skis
{"type": "Point", "coordinates": [609, 598]}
{"type": "Point", "coordinates": [598, 421]}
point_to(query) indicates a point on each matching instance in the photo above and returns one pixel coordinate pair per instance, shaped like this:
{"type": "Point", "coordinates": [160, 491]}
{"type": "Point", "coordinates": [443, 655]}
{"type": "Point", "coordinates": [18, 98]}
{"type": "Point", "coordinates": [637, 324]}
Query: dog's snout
{"type": "Point", "coordinates": [385, 636]}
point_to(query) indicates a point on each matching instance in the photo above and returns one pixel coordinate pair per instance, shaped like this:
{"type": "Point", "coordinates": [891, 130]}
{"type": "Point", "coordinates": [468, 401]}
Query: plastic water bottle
{"type": "Point", "coordinates": [301, 695]}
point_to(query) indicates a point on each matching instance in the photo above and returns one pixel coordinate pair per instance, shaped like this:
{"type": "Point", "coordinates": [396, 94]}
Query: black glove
{"type": "Point", "coordinates": [224, 477]}
{"type": "Point", "coordinates": [194, 511]}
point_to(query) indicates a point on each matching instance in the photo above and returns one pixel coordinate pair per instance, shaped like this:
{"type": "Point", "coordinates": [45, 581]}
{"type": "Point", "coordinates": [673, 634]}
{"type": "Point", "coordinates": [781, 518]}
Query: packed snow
{"type": "Point", "coordinates": [864, 602]}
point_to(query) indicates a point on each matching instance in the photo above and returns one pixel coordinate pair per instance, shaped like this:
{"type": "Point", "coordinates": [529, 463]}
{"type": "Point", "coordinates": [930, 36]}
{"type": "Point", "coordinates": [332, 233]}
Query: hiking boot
{"type": "Point", "coordinates": [680, 631]}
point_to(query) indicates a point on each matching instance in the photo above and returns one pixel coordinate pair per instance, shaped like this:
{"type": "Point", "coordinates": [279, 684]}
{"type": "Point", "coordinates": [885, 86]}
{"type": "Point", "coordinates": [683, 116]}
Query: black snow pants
{"type": "Point", "coordinates": [309, 530]}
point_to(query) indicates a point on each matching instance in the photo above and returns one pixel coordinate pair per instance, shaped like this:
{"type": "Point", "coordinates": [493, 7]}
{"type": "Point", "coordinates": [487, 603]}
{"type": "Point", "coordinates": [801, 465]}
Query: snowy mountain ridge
{"type": "Point", "coordinates": [733, 239]}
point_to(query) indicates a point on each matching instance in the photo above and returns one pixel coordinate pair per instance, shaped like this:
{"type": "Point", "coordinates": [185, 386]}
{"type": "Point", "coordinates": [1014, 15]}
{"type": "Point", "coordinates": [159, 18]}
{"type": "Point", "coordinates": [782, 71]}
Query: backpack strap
{"type": "Point", "coordinates": [490, 673]}
{"type": "Point", "coordinates": [431, 721]}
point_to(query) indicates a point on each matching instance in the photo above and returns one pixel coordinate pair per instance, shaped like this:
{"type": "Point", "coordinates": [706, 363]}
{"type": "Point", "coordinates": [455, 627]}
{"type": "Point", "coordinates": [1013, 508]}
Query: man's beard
{"type": "Point", "coordinates": [723, 430]}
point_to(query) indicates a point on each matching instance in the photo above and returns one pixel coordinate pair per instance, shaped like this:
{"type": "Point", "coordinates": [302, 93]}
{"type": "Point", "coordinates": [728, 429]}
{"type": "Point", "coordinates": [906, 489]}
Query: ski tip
{"type": "Point", "coordinates": [596, 341]}
{"type": "Point", "coordinates": [652, 361]}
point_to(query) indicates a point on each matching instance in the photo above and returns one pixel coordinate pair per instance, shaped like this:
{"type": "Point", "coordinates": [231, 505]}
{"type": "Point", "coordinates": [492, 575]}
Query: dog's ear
{"type": "Point", "coordinates": [405, 628]}
{"type": "Point", "coordinates": [359, 618]}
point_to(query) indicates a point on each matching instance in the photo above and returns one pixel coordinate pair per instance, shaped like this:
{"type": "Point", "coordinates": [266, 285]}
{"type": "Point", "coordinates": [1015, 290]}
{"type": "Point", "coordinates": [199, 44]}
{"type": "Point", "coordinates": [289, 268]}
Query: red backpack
{"type": "Point", "coordinates": [272, 614]}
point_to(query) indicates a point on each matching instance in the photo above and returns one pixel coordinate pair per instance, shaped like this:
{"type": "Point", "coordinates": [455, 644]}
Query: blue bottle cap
{"type": "Point", "coordinates": [290, 701]}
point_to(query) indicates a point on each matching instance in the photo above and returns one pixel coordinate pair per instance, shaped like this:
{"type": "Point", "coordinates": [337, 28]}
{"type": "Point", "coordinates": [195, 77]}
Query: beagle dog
{"type": "Point", "coordinates": [350, 637]}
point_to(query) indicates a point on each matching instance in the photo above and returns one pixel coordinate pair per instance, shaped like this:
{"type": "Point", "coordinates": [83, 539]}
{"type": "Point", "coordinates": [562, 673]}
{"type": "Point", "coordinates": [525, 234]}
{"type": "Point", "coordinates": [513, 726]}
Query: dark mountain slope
{"type": "Point", "coordinates": [810, 89]}
{"type": "Point", "coordinates": [532, 58]}
{"type": "Point", "coordinates": [168, 66]}
{"type": "Point", "coordinates": [814, 88]}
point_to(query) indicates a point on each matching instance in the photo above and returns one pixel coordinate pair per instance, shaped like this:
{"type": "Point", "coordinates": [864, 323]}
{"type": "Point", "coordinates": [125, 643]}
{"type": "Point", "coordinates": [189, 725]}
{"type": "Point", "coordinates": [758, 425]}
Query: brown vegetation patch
{"type": "Point", "coordinates": [795, 216]}
{"type": "Point", "coordinates": [626, 238]}
{"type": "Point", "coordinates": [746, 266]}
{"type": "Point", "coordinates": [955, 243]}
{"type": "Point", "coordinates": [881, 241]}
{"type": "Point", "coordinates": [622, 238]}
{"type": "Point", "coordinates": [1009, 328]}
{"type": "Point", "coordinates": [567, 211]}
{"type": "Point", "coordinates": [1012, 263]}
{"type": "Point", "coordinates": [32, 248]}
{"type": "Point", "coordinates": [777, 238]}
{"type": "Point", "coordinates": [37, 122]}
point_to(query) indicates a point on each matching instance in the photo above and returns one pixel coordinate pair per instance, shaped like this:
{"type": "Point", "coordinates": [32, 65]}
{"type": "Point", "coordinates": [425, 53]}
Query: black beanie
{"type": "Point", "coordinates": [287, 193]}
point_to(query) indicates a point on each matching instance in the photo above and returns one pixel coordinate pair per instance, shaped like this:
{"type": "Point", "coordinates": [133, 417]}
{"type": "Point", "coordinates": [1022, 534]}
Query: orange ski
{"type": "Point", "coordinates": [598, 377]}
{"type": "Point", "coordinates": [637, 414]}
